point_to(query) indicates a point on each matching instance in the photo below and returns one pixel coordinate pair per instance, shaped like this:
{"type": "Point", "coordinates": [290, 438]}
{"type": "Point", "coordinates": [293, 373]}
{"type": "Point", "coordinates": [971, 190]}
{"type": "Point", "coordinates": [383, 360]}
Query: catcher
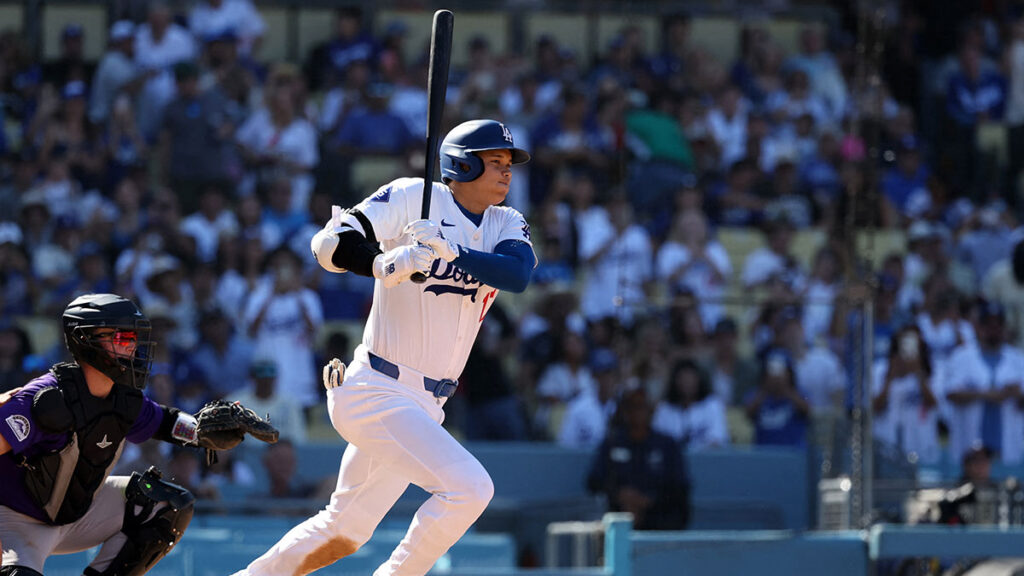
{"type": "Point", "coordinates": [61, 434]}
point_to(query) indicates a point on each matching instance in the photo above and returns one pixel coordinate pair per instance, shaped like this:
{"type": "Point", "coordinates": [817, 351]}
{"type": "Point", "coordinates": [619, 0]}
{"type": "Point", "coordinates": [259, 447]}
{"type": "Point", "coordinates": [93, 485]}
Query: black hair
{"type": "Point", "coordinates": [672, 393]}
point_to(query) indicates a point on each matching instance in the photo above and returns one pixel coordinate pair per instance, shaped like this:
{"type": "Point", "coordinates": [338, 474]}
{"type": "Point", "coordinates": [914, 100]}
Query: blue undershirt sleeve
{"type": "Point", "coordinates": [508, 268]}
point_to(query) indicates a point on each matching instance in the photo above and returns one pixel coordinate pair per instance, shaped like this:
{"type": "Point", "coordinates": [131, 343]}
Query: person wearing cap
{"type": "Point", "coordinates": [905, 186]}
{"type": "Point", "coordinates": [984, 384]}
{"type": "Point", "coordinates": [71, 65]}
{"type": "Point", "coordinates": [904, 402]}
{"type": "Point", "coordinates": [117, 71]}
{"type": "Point", "coordinates": [210, 17]}
{"type": "Point", "coordinates": [259, 395]}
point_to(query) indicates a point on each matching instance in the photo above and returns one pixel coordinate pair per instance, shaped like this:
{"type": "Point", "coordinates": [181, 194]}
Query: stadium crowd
{"type": "Point", "coordinates": [185, 172]}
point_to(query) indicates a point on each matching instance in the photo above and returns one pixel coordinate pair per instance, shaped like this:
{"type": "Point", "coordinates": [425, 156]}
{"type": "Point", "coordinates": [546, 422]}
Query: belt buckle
{"type": "Point", "coordinates": [445, 388]}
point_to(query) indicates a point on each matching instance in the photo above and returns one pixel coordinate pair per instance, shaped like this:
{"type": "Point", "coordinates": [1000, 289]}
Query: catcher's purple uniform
{"type": "Point", "coordinates": [27, 439]}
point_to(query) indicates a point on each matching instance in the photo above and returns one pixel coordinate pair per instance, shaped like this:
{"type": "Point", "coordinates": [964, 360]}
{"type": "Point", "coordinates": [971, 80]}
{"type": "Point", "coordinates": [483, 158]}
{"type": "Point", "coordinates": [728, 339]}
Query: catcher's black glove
{"type": "Point", "coordinates": [222, 425]}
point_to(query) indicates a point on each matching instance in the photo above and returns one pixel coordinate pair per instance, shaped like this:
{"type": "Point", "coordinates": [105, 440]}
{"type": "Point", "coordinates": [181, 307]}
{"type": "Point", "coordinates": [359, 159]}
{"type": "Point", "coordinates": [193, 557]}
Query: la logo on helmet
{"type": "Point", "coordinates": [505, 132]}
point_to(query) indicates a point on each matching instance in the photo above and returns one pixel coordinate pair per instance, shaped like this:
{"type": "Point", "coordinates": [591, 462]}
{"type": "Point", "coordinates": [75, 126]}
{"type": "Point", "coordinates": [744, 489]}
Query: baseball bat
{"type": "Point", "coordinates": [437, 88]}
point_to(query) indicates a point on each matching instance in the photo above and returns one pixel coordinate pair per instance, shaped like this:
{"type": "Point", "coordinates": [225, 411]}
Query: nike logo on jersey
{"type": "Point", "coordinates": [104, 443]}
{"type": "Point", "coordinates": [443, 223]}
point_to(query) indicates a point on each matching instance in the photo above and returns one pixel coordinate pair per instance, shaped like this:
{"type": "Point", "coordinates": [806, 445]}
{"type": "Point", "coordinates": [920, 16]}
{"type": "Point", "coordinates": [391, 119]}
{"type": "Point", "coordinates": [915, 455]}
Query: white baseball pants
{"type": "Point", "coordinates": [395, 438]}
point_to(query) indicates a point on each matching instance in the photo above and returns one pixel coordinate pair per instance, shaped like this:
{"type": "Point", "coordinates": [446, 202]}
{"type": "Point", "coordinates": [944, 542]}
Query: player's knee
{"type": "Point", "coordinates": [476, 491]}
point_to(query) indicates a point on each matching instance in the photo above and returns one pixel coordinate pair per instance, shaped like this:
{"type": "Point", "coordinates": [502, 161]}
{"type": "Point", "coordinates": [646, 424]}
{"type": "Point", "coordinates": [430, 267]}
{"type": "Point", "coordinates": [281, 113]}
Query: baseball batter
{"type": "Point", "coordinates": [388, 404]}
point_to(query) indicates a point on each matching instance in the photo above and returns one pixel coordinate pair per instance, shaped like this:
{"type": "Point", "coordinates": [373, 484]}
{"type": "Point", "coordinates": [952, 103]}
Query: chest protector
{"type": "Point", "coordinates": [63, 482]}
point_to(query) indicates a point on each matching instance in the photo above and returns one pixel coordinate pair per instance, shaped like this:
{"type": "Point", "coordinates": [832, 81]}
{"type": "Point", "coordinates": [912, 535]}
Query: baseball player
{"type": "Point", "coordinates": [388, 404]}
{"type": "Point", "coordinates": [62, 433]}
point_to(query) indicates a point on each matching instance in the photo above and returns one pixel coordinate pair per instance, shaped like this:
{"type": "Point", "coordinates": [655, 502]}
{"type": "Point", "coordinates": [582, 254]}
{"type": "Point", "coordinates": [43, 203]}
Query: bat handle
{"type": "Point", "coordinates": [418, 277]}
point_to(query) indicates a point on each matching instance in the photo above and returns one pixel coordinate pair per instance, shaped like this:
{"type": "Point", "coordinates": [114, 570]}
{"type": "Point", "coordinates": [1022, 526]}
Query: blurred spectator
{"type": "Point", "coordinates": [373, 128]}
{"type": "Point", "coordinates": [184, 469]}
{"type": "Point", "coordinates": [117, 72]}
{"type": "Point", "coordinates": [71, 65]}
{"type": "Point", "coordinates": [277, 141]}
{"type": "Point", "coordinates": [195, 132]}
{"type": "Point", "coordinates": [211, 17]}
{"type": "Point", "coordinates": [984, 242]}
{"type": "Point", "coordinates": [329, 62]}
{"type": "Point", "coordinates": [732, 375]}
{"type": "Point", "coordinates": [641, 471]}
{"type": "Point", "coordinates": [690, 259]}
{"type": "Point", "coordinates": [618, 257]}
{"type": "Point", "coordinates": [777, 409]}
{"type": "Point", "coordinates": [222, 354]}
{"type": "Point", "coordinates": [904, 401]}
{"type": "Point", "coordinates": [1004, 284]}
{"type": "Point", "coordinates": [823, 286]}
{"type": "Point", "coordinates": [774, 262]}
{"type": "Point", "coordinates": [494, 411]}
{"type": "Point", "coordinates": [670, 63]}
{"type": "Point", "coordinates": [690, 412]}
{"type": "Point", "coordinates": [166, 286]}
{"type": "Point", "coordinates": [728, 125]}
{"type": "Point", "coordinates": [210, 223]}
{"type": "Point", "coordinates": [736, 199]}
{"type": "Point", "coordinates": [18, 282]}
{"type": "Point", "coordinates": [257, 393]}
{"type": "Point", "coordinates": [560, 382]}
{"type": "Point", "coordinates": [821, 68]}
{"type": "Point", "coordinates": [940, 322]}
{"type": "Point", "coordinates": [282, 465]}
{"type": "Point", "coordinates": [819, 375]}
{"type": "Point", "coordinates": [282, 317]}
{"type": "Point", "coordinates": [906, 185]}
{"type": "Point", "coordinates": [658, 134]}
{"type": "Point", "coordinates": [983, 382]}
{"type": "Point", "coordinates": [125, 148]}
{"type": "Point", "coordinates": [15, 350]}
{"type": "Point", "coordinates": [569, 140]}
{"type": "Point", "coordinates": [587, 415]}
{"type": "Point", "coordinates": [159, 45]}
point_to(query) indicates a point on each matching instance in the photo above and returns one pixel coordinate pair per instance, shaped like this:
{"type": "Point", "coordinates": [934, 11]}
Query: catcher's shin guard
{"type": "Point", "coordinates": [151, 535]}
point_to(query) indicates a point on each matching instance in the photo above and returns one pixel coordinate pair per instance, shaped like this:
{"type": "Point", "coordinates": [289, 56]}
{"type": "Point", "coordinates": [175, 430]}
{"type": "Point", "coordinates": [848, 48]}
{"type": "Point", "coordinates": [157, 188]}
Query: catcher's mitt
{"type": "Point", "coordinates": [222, 425]}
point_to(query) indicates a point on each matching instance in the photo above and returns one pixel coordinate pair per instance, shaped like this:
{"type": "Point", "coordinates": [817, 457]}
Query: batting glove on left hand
{"type": "Point", "coordinates": [429, 233]}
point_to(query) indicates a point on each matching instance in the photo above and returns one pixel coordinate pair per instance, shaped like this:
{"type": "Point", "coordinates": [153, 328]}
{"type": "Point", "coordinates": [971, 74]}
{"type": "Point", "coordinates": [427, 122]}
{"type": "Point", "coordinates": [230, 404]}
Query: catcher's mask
{"type": "Point", "coordinates": [111, 334]}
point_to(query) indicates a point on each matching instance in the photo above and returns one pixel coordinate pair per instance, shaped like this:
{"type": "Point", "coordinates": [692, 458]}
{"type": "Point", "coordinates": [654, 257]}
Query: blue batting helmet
{"type": "Point", "coordinates": [458, 161]}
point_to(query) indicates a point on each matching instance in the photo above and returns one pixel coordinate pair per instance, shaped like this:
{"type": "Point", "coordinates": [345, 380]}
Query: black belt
{"type": "Point", "coordinates": [439, 388]}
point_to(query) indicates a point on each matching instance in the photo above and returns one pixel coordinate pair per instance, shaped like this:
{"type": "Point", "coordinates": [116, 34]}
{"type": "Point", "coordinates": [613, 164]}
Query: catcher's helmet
{"type": "Point", "coordinates": [458, 161]}
{"type": "Point", "coordinates": [85, 314]}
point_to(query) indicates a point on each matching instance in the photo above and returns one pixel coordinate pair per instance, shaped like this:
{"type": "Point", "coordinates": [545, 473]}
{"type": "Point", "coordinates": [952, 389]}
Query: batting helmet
{"type": "Point", "coordinates": [87, 313]}
{"type": "Point", "coordinates": [458, 161]}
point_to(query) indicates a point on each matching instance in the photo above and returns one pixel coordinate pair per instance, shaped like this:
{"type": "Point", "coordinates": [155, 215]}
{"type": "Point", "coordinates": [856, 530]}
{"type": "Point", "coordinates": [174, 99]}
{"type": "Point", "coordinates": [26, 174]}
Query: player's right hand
{"type": "Point", "coordinates": [399, 264]}
{"type": "Point", "coordinates": [334, 373]}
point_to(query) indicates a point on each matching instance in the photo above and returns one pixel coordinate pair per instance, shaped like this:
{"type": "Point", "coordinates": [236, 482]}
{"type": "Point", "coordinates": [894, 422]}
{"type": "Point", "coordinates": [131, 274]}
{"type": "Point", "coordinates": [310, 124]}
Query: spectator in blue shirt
{"type": "Point", "coordinates": [906, 185]}
{"type": "Point", "coordinates": [974, 96]}
{"type": "Point", "coordinates": [222, 355]}
{"type": "Point", "coordinates": [329, 62]}
{"type": "Point", "coordinates": [777, 409]}
{"type": "Point", "coordinates": [374, 128]}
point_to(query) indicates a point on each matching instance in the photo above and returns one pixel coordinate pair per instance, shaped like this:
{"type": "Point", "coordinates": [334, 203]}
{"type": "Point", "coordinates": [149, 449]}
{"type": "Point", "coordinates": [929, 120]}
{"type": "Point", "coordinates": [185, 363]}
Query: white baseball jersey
{"type": "Point", "coordinates": [431, 327]}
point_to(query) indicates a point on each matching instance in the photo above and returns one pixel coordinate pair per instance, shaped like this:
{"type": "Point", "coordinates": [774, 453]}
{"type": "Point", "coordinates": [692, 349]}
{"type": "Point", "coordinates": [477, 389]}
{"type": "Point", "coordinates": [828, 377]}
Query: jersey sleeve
{"type": "Point", "coordinates": [515, 227]}
{"type": "Point", "coordinates": [390, 208]}
{"type": "Point", "coordinates": [17, 425]}
{"type": "Point", "coordinates": [147, 423]}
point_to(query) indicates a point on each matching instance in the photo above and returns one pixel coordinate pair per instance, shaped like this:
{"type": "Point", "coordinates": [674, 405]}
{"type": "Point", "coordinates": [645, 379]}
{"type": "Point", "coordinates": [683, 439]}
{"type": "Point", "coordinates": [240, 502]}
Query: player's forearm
{"type": "Point", "coordinates": [510, 270]}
